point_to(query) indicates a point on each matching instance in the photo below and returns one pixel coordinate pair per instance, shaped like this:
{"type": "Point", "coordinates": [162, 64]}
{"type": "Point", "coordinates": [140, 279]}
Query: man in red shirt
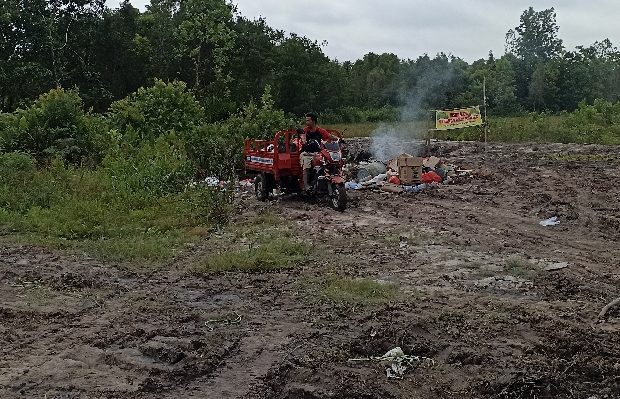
{"type": "Point", "coordinates": [311, 140]}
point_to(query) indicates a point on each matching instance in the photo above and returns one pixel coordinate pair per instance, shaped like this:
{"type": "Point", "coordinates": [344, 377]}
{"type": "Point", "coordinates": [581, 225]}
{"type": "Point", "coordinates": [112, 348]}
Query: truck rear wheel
{"type": "Point", "coordinates": [261, 187]}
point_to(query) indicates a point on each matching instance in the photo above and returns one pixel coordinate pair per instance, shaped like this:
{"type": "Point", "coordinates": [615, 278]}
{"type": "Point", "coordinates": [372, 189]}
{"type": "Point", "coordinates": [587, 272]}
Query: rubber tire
{"type": "Point", "coordinates": [338, 199]}
{"type": "Point", "coordinates": [260, 187]}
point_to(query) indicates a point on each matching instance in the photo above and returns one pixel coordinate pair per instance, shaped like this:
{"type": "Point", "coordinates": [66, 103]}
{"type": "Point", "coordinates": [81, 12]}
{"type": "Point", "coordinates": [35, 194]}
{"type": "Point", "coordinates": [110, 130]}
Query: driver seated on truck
{"type": "Point", "coordinates": [311, 144]}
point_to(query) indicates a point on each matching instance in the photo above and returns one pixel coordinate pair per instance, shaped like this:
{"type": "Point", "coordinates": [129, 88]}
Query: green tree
{"type": "Point", "coordinates": [157, 42]}
{"type": "Point", "coordinates": [120, 60]}
{"type": "Point", "coordinates": [300, 68]}
{"type": "Point", "coordinates": [500, 86]}
{"type": "Point", "coordinates": [543, 90]}
{"type": "Point", "coordinates": [375, 79]}
{"type": "Point", "coordinates": [207, 39]}
{"type": "Point", "coordinates": [536, 37]}
{"type": "Point", "coordinates": [48, 44]}
{"type": "Point", "coordinates": [534, 42]}
{"type": "Point", "coordinates": [253, 58]}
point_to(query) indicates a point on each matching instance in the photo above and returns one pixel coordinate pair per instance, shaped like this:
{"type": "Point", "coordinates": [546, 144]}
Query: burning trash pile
{"type": "Point", "coordinates": [405, 173]}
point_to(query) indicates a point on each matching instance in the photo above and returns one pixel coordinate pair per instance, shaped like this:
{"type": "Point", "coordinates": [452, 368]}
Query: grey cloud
{"type": "Point", "coordinates": [466, 29]}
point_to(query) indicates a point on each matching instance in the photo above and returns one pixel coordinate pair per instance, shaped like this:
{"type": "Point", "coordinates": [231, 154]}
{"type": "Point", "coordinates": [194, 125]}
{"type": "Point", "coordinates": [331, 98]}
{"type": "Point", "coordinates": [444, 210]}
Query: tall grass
{"type": "Point", "coordinates": [542, 128]}
{"type": "Point", "coordinates": [83, 209]}
{"type": "Point", "coordinates": [366, 129]}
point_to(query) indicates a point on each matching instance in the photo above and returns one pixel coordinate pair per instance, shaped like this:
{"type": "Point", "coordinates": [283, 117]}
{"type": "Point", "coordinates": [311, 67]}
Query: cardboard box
{"type": "Point", "coordinates": [409, 168]}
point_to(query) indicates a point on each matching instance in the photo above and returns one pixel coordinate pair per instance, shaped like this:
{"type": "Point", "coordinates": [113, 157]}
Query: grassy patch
{"type": "Point", "coordinates": [260, 244]}
{"type": "Point", "coordinates": [107, 230]}
{"type": "Point", "coordinates": [364, 291]}
{"type": "Point", "coordinates": [275, 254]}
{"type": "Point", "coordinates": [258, 226]}
{"type": "Point", "coordinates": [519, 267]}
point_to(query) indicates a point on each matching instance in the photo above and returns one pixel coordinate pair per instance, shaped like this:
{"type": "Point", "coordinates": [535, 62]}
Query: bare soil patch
{"type": "Point", "coordinates": [472, 294]}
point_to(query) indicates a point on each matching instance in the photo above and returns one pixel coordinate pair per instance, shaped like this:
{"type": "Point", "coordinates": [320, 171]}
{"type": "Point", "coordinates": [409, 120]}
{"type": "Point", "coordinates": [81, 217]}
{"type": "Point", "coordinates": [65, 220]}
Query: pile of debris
{"type": "Point", "coordinates": [405, 173]}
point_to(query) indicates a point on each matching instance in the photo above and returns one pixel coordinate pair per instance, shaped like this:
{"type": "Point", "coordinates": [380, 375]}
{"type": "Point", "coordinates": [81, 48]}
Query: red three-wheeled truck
{"type": "Point", "coordinates": [276, 165]}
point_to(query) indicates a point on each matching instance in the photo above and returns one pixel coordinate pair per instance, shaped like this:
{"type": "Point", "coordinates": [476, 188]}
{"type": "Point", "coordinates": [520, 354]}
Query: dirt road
{"type": "Point", "coordinates": [473, 297]}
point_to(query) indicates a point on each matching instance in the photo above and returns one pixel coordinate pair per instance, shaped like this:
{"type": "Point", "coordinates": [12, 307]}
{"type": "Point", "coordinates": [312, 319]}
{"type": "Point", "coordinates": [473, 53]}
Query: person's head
{"type": "Point", "coordinates": [311, 120]}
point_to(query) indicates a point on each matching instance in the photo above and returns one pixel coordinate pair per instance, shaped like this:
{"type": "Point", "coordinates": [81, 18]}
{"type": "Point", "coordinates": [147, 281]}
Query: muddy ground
{"type": "Point", "coordinates": [473, 297]}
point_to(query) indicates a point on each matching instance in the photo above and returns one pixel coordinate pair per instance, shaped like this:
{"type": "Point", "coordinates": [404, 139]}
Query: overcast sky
{"type": "Point", "coordinates": [410, 28]}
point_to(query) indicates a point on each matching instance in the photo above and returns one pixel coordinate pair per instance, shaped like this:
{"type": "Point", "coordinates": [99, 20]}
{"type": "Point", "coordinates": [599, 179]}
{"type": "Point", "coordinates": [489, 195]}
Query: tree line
{"type": "Point", "coordinates": [226, 60]}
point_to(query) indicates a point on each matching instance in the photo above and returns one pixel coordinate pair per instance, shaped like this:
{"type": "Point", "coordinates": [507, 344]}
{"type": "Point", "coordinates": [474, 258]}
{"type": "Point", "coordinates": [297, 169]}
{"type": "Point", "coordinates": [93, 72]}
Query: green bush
{"type": "Point", "coordinates": [152, 169]}
{"type": "Point", "coordinates": [54, 126]}
{"type": "Point", "coordinates": [217, 148]}
{"type": "Point", "coordinates": [596, 123]}
{"type": "Point", "coordinates": [22, 187]}
{"type": "Point", "coordinates": [154, 111]}
{"type": "Point", "coordinates": [260, 121]}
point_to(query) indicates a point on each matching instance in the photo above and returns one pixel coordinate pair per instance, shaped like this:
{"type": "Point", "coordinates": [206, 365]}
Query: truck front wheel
{"type": "Point", "coordinates": [339, 197]}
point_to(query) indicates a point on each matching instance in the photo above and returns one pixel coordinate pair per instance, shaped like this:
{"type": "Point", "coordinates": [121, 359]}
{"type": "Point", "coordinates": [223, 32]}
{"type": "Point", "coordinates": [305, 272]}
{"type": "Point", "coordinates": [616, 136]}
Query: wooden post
{"type": "Point", "coordinates": [427, 152]}
{"type": "Point", "coordinates": [485, 123]}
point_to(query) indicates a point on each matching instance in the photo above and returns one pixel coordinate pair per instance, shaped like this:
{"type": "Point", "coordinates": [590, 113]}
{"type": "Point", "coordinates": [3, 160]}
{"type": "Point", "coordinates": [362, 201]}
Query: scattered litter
{"type": "Point", "coordinates": [224, 321]}
{"type": "Point", "coordinates": [396, 362]}
{"type": "Point", "coordinates": [416, 189]}
{"type": "Point", "coordinates": [441, 172]}
{"type": "Point", "coordinates": [246, 185]}
{"type": "Point", "coordinates": [550, 222]}
{"type": "Point", "coordinates": [351, 185]}
{"type": "Point", "coordinates": [394, 180]}
{"type": "Point", "coordinates": [405, 174]}
{"type": "Point", "coordinates": [556, 266]}
{"type": "Point", "coordinates": [430, 177]}
{"type": "Point", "coordinates": [409, 168]}
{"type": "Point", "coordinates": [378, 178]}
{"type": "Point", "coordinates": [431, 162]}
{"type": "Point", "coordinates": [370, 169]}
{"type": "Point", "coordinates": [212, 181]}
{"type": "Point", "coordinates": [392, 188]}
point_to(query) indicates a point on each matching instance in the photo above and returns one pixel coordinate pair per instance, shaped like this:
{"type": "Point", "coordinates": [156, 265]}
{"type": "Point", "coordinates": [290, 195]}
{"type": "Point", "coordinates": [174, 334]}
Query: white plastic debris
{"type": "Point", "coordinates": [212, 181]}
{"type": "Point", "coordinates": [396, 362]}
{"type": "Point", "coordinates": [550, 222]}
{"type": "Point", "coordinates": [351, 185]}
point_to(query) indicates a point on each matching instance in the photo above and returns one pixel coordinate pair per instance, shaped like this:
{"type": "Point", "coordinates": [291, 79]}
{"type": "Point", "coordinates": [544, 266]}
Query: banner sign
{"type": "Point", "coordinates": [458, 118]}
{"type": "Point", "coordinates": [261, 160]}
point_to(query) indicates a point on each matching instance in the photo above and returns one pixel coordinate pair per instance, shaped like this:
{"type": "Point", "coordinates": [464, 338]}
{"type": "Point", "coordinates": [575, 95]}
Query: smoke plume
{"type": "Point", "coordinates": [425, 84]}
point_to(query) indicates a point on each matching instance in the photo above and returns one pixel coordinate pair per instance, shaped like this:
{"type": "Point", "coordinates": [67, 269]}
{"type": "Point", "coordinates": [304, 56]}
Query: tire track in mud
{"type": "Point", "coordinates": [240, 374]}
